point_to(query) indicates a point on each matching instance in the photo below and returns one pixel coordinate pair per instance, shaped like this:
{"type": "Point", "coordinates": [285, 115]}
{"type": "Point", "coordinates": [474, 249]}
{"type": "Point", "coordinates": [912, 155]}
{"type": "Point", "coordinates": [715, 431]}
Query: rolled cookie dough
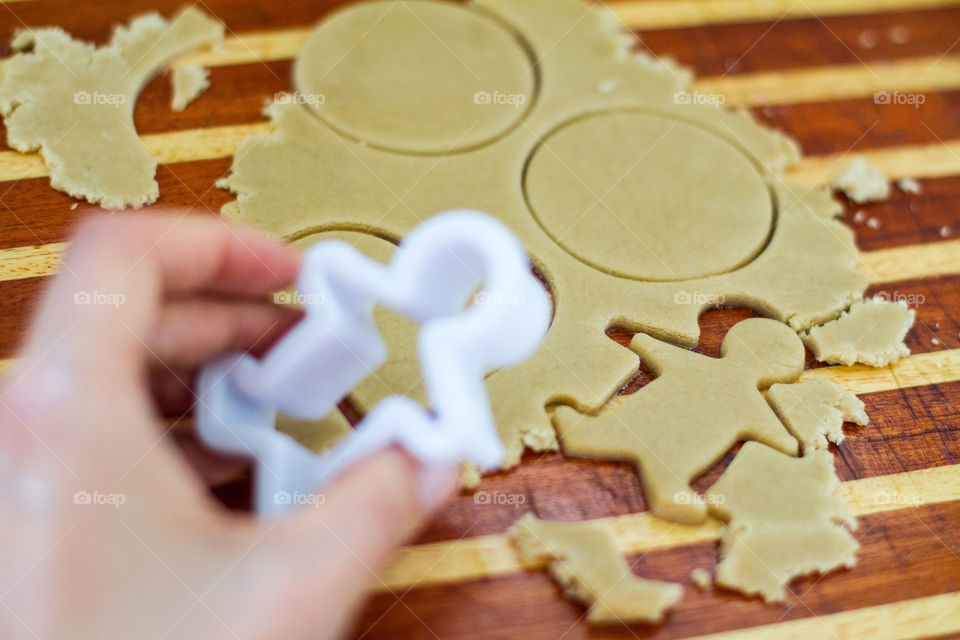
{"type": "Point", "coordinates": [783, 520]}
{"type": "Point", "coordinates": [466, 71]}
{"type": "Point", "coordinates": [74, 103]}
{"type": "Point", "coordinates": [814, 411]}
{"type": "Point", "coordinates": [679, 425]}
{"type": "Point", "coordinates": [188, 82]}
{"type": "Point", "coordinates": [595, 101]}
{"type": "Point", "coordinates": [862, 182]}
{"type": "Point", "coordinates": [871, 332]}
{"type": "Point", "coordinates": [583, 557]}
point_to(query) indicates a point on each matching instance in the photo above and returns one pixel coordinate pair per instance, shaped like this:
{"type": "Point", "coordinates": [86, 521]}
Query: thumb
{"type": "Point", "coordinates": [334, 551]}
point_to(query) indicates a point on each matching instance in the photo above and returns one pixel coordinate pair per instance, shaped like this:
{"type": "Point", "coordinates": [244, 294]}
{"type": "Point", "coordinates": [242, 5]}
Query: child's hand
{"type": "Point", "coordinates": [106, 532]}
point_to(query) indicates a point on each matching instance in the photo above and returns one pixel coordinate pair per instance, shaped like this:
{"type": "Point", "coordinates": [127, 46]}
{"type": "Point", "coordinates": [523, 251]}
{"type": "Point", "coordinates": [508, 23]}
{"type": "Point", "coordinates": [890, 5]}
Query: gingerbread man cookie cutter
{"type": "Point", "coordinates": [462, 275]}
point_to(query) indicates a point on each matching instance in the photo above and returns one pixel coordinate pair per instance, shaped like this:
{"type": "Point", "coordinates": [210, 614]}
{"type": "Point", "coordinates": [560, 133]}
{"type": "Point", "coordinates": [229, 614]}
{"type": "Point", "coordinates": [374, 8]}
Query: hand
{"type": "Point", "coordinates": [107, 532]}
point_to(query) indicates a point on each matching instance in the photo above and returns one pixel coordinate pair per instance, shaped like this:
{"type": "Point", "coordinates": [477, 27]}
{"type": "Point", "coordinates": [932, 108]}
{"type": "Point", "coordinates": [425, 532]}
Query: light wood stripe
{"type": "Point", "coordinates": [934, 160]}
{"type": "Point", "coordinates": [251, 46]}
{"type": "Point", "coordinates": [30, 262]}
{"type": "Point", "coordinates": [912, 262]}
{"type": "Point", "coordinates": [917, 370]}
{"type": "Point", "coordinates": [282, 44]}
{"type": "Point", "coordinates": [807, 84]}
{"type": "Point", "coordinates": [186, 145]}
{"type": "Point", "coordinates": [904, 80]}
{"type": "Point", "coordinates": [491, 555]}
{"type": "Point", "coordinates": [918, 618]}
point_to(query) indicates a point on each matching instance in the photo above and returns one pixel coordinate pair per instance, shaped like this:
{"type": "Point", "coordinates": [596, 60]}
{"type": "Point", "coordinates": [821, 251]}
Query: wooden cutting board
{"type": "Point", "coordinates": [810, 68]}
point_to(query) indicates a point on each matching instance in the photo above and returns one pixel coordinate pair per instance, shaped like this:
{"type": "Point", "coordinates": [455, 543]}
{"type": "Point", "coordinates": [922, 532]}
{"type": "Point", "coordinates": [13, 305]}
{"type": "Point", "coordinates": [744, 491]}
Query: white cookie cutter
{"type": "Point", "coordinates": [432, 278]}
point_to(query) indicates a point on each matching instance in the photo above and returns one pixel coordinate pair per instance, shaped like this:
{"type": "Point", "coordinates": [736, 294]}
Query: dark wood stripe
{"type": "Point", "coordinates": [909, 553]}
{"type": "Point", "coordinates": [790, 44]}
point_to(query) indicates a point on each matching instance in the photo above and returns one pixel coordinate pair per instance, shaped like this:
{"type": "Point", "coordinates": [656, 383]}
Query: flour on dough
{"type": "Point", "coordinates": [74, 102]}
{"type": "Point", "coordinates": [862, 182]}
{"type": "Point", "coordinates": [814, 411]}
{"type": "Point", "coordinates": [682, 423]}
{"type": "Point", "coordinates": [783, 520]}
{"type": "Point", "coordinates": [583, 557]}
{"type": "Point", "coordinates": [871, 332]}
{"type": "Point", "coordinates": [531, 137]}
{"type": "Point", "coordinates": [188, 82]}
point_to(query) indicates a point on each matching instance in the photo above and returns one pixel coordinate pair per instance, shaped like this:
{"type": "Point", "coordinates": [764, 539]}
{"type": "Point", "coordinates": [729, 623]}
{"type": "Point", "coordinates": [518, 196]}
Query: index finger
{"type": "Point", "coordinates": [119, 269]}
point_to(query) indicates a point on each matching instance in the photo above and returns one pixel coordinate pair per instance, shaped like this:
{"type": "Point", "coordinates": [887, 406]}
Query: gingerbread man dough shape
{"type": "Point", "coordinates": [698, 407]}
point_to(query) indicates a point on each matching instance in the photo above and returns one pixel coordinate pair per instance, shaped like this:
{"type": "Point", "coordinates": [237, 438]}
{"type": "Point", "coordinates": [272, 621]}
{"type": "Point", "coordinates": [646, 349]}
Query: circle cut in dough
{"type": "Point", "coordinates": [416, 77]}
{"type": "Point", "coordinates": [649, 197]}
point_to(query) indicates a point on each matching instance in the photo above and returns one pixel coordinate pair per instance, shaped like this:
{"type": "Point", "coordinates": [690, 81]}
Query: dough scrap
{"type": "Point", "coordinates": [909, 185]}
{"type": "Point", "coordinates": [871, 332]}
{"type": "Point", "coordinates": [188, 82]}
{"type": "Point", "coordinates": [322, 167]}
{"type": "Point", "coordinates": [74, 102]}
{"type": "Point", "coordinates": [862, 182]}
{"type": "Point", "coordinates": [584, 559]}
{"type": "Point", "coordinates": [697, 408]}
{"type": "Point", "coordinates": [701, 578]}
{"type": "Point", "coordinates": [814, 411]}
{"type": "Point", "coordinates": [783, 520]}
